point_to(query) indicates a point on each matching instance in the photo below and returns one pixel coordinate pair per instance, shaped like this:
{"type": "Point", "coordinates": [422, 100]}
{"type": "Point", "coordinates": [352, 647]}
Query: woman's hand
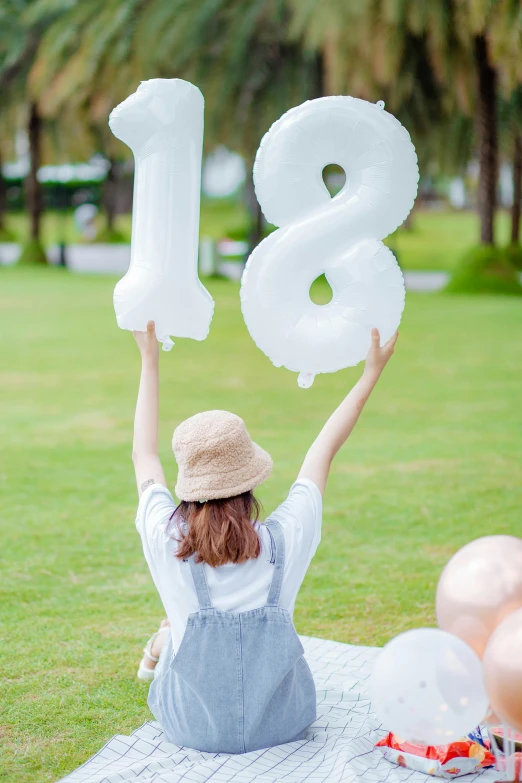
{"type": "Point", "coordinates": [148, 343]}
{"type": "Point", "coordinates": [377, 356]}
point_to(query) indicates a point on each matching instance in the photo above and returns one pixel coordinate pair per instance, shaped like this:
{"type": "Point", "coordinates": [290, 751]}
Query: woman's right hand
{"type": "Point", "coordinates": [342, 421]}
{"type": "Point", "coordinates": [378, 357]}
{"type": "Point", "coordinates": [148, 343]}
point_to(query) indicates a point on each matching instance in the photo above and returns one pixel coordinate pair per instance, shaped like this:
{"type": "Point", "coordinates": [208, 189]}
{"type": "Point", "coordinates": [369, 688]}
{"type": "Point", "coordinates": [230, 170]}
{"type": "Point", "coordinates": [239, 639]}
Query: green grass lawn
{"type": "Point", "coordinates": [434, 463]}
{"type": "Point", "coordinates": [436, 241]}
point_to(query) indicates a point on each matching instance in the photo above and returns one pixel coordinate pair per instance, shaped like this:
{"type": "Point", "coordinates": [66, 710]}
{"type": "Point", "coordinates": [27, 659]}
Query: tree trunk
{"type": "Point", "coordinates": [408, 221]}
{"type": "Point", "coordinates": [319, 89]}
{"type": "Point", "coordinates": [255, 234]}
{"type": "Point", "coordinates": [109, 195]}
{"type": "Point", "coordinates": [487, 139]}
{"type": "Point", "coordinates": [3, 197]}
{"type": "Point", "coordinates": [256, 229]}
{"type": "Point", "coordinates": [331, 62]}
{"type": "Point", "coordinates": [34, 197]}
{"type": "Point", "coordinates": [517, 189]}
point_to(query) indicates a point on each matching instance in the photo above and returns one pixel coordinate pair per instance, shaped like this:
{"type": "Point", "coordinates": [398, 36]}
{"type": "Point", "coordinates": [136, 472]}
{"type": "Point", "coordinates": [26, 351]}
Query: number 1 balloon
{"type": "Point", "coordinates": [162, 123]}
{"type": "Point", "coordinates": [340, 236]}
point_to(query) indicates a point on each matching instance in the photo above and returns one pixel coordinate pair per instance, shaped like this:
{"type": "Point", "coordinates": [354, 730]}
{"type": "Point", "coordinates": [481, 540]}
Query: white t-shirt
{"type": "Point", "coordinates": [234, 587]}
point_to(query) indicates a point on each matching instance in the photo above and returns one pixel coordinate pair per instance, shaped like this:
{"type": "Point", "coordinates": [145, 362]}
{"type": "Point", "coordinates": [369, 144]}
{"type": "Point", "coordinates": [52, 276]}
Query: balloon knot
{"type": "Point", "coordinates": [305, 379]}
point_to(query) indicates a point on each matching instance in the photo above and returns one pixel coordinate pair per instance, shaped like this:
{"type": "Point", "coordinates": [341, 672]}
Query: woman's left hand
{"type": "Point", "coordinates": [378, 357]}
{"type": "Point", "coordinates": [148, 343]}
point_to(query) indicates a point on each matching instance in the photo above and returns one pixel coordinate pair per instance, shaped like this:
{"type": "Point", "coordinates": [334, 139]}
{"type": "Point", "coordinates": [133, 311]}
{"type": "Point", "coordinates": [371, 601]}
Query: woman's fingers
{"type": "Point", "coordinates": [391, 342]}
{"type": "Point", "coordinates": [149, 332]}
{"type": "Point", "coordinates": [376, 338]}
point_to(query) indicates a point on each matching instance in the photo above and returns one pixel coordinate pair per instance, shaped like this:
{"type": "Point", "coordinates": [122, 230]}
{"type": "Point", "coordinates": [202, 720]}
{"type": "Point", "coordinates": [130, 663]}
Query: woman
{"type": "Point", "coordinates": [231, 676]}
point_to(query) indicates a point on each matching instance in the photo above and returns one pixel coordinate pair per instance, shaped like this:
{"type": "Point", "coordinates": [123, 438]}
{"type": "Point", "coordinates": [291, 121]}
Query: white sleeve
{"type": "Point", "coordinates": [155, 510]}
{"type": "Point", "coordinates": [300, 516]}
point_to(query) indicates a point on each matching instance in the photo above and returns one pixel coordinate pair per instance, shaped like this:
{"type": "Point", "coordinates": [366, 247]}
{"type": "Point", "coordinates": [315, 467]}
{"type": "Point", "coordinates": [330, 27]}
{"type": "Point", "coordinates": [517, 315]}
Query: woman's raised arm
{"type": "Point", "coordinates": [342, 421]}
{"type": "Point", "coordinates": [147, 464]}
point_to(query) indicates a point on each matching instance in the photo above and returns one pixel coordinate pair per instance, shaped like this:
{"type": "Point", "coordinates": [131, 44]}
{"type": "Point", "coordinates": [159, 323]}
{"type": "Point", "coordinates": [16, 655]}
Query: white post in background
{"type": "Point", "coordinates": [207, 257]}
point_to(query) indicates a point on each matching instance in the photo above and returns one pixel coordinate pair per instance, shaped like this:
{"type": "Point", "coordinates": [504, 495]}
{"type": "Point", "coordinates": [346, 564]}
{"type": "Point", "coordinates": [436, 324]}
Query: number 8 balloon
{"type": "Point", "coordinates": [340, 236]}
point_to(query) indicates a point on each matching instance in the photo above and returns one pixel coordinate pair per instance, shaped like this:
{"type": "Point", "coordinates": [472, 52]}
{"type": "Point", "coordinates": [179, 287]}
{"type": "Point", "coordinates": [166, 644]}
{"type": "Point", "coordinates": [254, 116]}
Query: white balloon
{"type": "Point", "coordinates": [427, 685]}
{"type": "Point", "coordinates": [162, 123]}
{"type": "Point", "coordinates": [340, 236]}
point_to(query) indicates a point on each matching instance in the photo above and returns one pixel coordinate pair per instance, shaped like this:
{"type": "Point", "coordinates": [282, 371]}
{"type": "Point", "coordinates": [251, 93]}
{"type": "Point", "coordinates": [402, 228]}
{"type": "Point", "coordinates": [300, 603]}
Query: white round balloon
{"type": "Point", "coordinates": [427, 685]}
{"type": "Point", "coordinates": [340, 236]}
{"type": "Point", "coordinates": [162, 123]}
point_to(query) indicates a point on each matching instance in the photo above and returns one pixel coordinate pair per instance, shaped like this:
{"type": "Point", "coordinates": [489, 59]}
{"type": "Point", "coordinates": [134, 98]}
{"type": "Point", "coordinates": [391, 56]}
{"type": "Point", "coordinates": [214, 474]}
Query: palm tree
{"type": "Point", "coordinates": [434, 63]}
{"type": "Point", "coordinates": [506, 43]}
{"type": "Point", "coordinates": [6, 133]}
{"type": "Point", "coordinates": [240, 54]}
{"type": "Point", "coordinates": [473, 43]}
{"type": "Point", "coordinates": [87, 80]}
{"type": "Point", "coordinates": [19, 41]}
{"type": "Point", "coordinates": [510, 116]}
{"type": "Point", "coordinates": [487, 136]}
{"type": "Point", "coordinates": [33, 187]}
{"type": "Point", "coordinates": [374, 55]}
{"type": "Point", "coordinates": [517, 187]}
{"type": "Point", "coordinates": [332, 29]}
{"type": "Point", "coordinates": [237, 51]}
{"type": "Point", "coordinates": [466, 45]}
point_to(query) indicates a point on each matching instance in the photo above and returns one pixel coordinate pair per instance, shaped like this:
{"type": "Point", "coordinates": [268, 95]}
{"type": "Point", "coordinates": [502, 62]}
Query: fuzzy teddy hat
{"type": "Point", "coordinates": [217, 458]}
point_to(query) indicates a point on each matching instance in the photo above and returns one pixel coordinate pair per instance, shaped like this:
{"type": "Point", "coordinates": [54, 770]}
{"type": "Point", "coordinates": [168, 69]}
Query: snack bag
{"type": "Point", "coordinates": [444, 761]}
{"type": "Point", "coordinates": [477, 736]}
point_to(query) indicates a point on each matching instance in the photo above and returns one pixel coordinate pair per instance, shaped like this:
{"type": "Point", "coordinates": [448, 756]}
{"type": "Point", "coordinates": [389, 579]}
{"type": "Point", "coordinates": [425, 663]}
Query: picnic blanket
{"type": "Point", "coordinates": [339, 747]}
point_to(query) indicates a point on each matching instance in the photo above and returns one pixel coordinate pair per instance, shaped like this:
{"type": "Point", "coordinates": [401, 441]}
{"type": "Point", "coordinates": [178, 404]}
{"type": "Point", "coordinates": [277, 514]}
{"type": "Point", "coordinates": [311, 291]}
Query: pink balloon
{"type": "Point", "coordinates": [502, 665]}
{"type": "Point", "coordinates": [480, 586]}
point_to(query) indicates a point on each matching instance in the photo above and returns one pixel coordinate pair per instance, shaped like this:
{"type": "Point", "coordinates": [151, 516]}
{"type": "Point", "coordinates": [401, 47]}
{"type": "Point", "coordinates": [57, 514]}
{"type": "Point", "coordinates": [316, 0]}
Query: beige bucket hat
{"type": "Point", "coordinates": [216, 457]}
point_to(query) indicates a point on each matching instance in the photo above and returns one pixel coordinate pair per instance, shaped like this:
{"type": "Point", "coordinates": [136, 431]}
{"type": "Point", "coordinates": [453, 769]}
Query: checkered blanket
{"type": "Point", "coordinates": [339, 747]}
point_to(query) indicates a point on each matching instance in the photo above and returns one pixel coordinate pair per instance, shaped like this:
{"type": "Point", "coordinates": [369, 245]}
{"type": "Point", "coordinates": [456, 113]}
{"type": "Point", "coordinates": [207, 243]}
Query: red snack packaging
{"type": "Point", "coordinates": [443, 761]}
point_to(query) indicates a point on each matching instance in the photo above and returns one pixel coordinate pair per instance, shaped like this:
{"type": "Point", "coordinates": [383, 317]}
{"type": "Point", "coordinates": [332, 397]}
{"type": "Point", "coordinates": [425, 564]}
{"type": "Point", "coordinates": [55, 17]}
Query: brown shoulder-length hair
{"type": "Point", "coordinates": [219, 531]}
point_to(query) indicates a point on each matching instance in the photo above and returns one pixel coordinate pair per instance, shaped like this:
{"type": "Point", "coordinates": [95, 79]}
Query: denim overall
{"type": "Point", "coordinates": [239, 681]}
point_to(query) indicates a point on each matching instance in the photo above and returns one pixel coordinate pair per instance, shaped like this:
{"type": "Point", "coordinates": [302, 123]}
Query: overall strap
{"type": "Point", "coordinates": [278, 542]}
{"type": "Point", "coordinates": [200, 583]}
